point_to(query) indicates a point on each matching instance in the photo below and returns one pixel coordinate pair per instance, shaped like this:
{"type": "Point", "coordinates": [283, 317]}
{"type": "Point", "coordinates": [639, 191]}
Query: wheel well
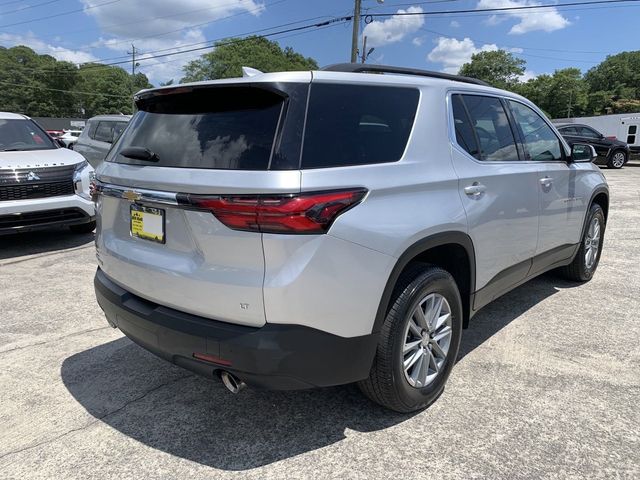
{"type": "Point", "coordinates": [602, 200]}
{"type": "Point", "coordinates": [453, 258]}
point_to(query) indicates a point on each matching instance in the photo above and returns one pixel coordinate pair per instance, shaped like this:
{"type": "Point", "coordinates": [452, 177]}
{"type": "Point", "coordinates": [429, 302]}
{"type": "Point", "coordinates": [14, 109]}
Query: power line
{"type": "Point", "coordinates": [61, 14]}
{"type": "Point", "coordinates": [369, 16]}
{"type": "Point", "coordinates": [63, 91]}
{"type": "Point", "coordinates": [28, 7]}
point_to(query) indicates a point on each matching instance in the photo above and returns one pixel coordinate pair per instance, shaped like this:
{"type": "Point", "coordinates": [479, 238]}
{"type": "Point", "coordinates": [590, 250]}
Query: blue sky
{"type": "Point", "coordinates": [94, 30]}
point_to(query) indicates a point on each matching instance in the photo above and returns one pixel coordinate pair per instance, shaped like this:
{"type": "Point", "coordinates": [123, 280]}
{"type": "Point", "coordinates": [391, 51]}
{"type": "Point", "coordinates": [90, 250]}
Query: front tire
{"type": "Point", "coordinates": [617, 160]}
{"type": "Point", "coordinates": [585, 263]}
{"type": "Point", "coordinates": [419, 341]}
{"type": "Point", "coordinates": [83, 227]}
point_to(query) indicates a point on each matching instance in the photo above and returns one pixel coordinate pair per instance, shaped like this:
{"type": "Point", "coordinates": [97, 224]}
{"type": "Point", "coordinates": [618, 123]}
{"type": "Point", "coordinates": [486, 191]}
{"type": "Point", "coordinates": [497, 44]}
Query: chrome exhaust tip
{"type": "Point", "coordinates": [233, 383]}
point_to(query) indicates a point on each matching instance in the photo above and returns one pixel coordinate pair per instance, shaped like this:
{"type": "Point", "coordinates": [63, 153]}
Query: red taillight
{"type": "Point", "coordinates": [612, 137]}
{"type": "Point", "coordinates": [303, 213]}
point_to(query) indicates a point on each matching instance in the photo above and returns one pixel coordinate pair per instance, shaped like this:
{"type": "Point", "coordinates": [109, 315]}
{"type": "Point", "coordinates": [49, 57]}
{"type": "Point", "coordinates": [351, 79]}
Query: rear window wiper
{"type": "Point", "coordinates": [139, 153]}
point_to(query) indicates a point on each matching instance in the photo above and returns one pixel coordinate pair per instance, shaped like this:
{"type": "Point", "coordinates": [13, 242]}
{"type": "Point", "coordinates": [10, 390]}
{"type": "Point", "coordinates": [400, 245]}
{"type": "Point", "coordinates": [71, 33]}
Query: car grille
{"type": "Point", "coordinates": [29, 183]}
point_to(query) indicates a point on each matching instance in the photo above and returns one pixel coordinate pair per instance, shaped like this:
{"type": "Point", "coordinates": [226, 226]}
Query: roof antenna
{"type": "Point", "coordinates": [250, 72]}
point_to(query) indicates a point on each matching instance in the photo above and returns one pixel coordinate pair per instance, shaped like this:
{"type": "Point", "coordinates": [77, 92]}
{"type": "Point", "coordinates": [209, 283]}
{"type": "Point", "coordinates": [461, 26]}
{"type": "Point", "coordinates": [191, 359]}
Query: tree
{"type": "Point", "coordinates": [562, 94]}
{"type": "Point", "coordinates": [614, 83]}
{"type": "Point", "coordinates": [108, 89]}
{"type": "Point", "coordinates": [228, 58]}
{"type": "Point", "coordinates": [498, 68]}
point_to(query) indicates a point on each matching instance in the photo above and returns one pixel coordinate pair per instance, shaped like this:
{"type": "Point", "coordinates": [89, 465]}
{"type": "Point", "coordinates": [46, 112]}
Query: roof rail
{"type": "Point", "coordinates": [365, 68]}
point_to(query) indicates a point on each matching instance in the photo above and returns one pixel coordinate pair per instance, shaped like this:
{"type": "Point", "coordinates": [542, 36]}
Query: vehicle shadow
{"type": "Point", "coordinates": [166, 408]}
{"type": "Point", "coordinates": [41, 241]}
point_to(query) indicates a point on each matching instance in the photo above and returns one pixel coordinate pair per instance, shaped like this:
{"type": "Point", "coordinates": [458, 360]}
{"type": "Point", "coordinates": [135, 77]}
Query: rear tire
{"type": "Point", "coordinates": [83, 227]}
{"type": "Point", "coordinates": [585, 263]}
{"type": "Point", "coordinates": [433, 347]}
{"type": "Point", "coordinates": [617, 160]}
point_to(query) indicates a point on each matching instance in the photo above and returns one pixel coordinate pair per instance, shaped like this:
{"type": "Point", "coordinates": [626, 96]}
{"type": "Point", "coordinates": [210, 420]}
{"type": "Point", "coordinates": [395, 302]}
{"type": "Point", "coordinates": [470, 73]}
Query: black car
{"type": "Point", "coordinates": [611, 152]}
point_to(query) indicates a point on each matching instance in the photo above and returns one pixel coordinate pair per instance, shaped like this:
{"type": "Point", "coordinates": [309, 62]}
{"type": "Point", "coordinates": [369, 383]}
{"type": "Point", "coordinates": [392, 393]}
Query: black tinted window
{"type": "Point", "coordinates": [220, 128]}
{"type": "Point", "coordinates": [568, 131]}
{"type": "Point", "coordinates": [464, 130]}
{"type": "Point", "coordinates": [357, 125]}
{"type": "Point", "coordinates": [540, 142]}
{"type": "Point", "coordinates": [104, 132]}
{"type": "Point", "coordinates": [492, 128]}
{"type": "Point", "coordinates": [588, 133]}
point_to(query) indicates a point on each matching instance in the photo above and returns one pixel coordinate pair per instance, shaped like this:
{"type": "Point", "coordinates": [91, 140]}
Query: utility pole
{"type": "Point", "coordinates": [569, 108]}
{"type": "Point", "coordinates": [133, 74]}
{"type": "Point", "coordinates": [133, 60]}
{"type": "Point", "coordinates": [356, 31]}
{"type": "Point", "coordinates": [365, 53]}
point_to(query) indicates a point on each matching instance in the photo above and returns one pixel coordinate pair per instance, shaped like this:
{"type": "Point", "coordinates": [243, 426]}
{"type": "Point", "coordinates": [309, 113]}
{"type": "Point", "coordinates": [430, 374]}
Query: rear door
{"type": "Point", "coordinates": [499, 191]}
{"type": "Point", "coordinates": [222, 142]}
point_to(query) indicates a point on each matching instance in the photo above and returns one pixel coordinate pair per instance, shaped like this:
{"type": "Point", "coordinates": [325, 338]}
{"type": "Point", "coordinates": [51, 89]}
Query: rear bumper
{"type": "Point", "coordinates": [275, 356]}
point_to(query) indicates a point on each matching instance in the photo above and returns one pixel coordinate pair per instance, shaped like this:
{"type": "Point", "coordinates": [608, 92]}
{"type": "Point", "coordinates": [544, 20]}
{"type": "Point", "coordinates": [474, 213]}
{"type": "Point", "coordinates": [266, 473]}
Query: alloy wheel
{"type": "Point", "coordinates": [427, 338]}
{"type": "Point", "coordinates": [592, 243]}
{"type": "Point", "coordinates": [618, 159]}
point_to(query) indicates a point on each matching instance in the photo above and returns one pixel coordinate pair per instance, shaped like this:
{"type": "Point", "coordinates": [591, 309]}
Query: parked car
{"type": "Point", "coordinates": [98, 136]}
{"type": "Point", "coordinates": [307, 229]}
{"type": "Point", "coordinates": [41, 184]}
{"type": "Point", "coordinates": [55, 133]}
{"type": "Point", "coordinates": [70, 137]}
{"type": "Point", "coordinates": [623, 126]}
{"type": "Point", "coordinates": [611, 152]}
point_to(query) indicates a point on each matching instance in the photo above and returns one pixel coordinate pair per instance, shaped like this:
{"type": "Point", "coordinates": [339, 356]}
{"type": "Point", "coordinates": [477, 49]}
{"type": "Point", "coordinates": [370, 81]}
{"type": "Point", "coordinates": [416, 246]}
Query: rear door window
{"type": "Point", "coordinates": [232, 128]}
{"type": "Point", "coordinates": [492, 129]}
{"type": "Point", "coordinates": [568, 131]}
{"type": "Point", "coordinates": [357, 124]}
{"type": "Point", "coordinates": [465, 136]}
{"type": "Point", "coordinates": [104, 132]}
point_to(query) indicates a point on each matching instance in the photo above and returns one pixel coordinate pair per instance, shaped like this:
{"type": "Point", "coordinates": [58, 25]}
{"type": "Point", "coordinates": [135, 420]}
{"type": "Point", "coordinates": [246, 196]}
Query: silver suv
{"type": "Point", "coordinates": [99, 134]}
{"type": "Point", "coordinates": [306, 229]}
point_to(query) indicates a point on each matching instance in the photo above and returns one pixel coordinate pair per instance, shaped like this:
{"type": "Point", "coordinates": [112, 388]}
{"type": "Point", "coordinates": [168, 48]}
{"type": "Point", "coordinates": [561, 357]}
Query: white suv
{"type": "Point", "coordinates": [307, 229]}
{"type": "Point", "coordinates": [41, 184]}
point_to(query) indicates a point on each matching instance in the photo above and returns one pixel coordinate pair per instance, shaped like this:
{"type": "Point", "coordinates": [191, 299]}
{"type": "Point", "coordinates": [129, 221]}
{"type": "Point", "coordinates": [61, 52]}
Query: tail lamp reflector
{"type": "Point", "coordinates": [302, 213]}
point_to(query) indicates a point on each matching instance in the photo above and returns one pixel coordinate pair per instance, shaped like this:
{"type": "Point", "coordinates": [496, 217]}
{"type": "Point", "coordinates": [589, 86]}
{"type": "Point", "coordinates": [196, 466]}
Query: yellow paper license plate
{"type": "Point", "coordinates": [147, 223]}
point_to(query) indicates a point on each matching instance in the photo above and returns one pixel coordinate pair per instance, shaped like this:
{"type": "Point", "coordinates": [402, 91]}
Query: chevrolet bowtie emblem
{"type": "Point", "coordinates": [131, 195]}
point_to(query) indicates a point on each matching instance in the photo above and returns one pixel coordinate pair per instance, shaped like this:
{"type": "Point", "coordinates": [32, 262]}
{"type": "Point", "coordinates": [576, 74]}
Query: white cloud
{"type": "Point", "coordinates": [454, 24]}
{"type": "Point", "coordinates": [394, 29]}
{"type": "Point", "coordinates": [515, 50]}
{"type": "Point", "coordinates": [418, 41]}
{"type": "Point", "coordinates": [530, 20]}
{"type": "Point", "coordinates": [527, 75]}
{"type": "Point", "coordinates": [44, 48]}
{"type": "Point", "coordinates": [160, 25]}
{"type": "Point", "coordinates": [453, 53]}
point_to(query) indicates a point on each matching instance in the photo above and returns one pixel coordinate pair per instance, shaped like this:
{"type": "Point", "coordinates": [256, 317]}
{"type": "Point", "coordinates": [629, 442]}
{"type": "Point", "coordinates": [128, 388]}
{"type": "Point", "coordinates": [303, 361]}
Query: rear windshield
{"type": "Point", "coordinates": [20, 135]}
{"type": "Point", "coordinates": [219, 128]}
{"type": "Point", "coordinates": [357, 125]}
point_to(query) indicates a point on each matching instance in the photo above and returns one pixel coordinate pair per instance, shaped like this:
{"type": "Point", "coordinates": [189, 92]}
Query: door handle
{"type": "Point", "coordinates": [546, 181]}
{"type": "Point", "coordinates": [475, 190]}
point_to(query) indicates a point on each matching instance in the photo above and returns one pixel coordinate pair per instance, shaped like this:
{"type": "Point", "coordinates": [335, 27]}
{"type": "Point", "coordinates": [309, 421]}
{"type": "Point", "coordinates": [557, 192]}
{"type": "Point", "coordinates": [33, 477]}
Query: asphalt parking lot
{"type": "Point", "coordinates": [547, 386]}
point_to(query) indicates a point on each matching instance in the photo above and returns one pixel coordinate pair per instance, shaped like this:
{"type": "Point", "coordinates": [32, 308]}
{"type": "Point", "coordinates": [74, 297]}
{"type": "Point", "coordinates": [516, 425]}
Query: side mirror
{"type": "Point", "coordinates": [581, 152]}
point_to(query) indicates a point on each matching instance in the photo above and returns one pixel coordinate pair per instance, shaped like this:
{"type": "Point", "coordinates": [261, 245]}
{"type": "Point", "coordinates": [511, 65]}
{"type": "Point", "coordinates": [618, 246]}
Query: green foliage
{"type": "Point", "coordinates": [562, 94]}
{"type": "Point", "coordinates": [611, 87]}
{"type": "Point", "coordinates": [41, 86]}
{"type": "Point", "coordinates": [228, 58]}
{"type": "Point", "coordinates": [498, 68]}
